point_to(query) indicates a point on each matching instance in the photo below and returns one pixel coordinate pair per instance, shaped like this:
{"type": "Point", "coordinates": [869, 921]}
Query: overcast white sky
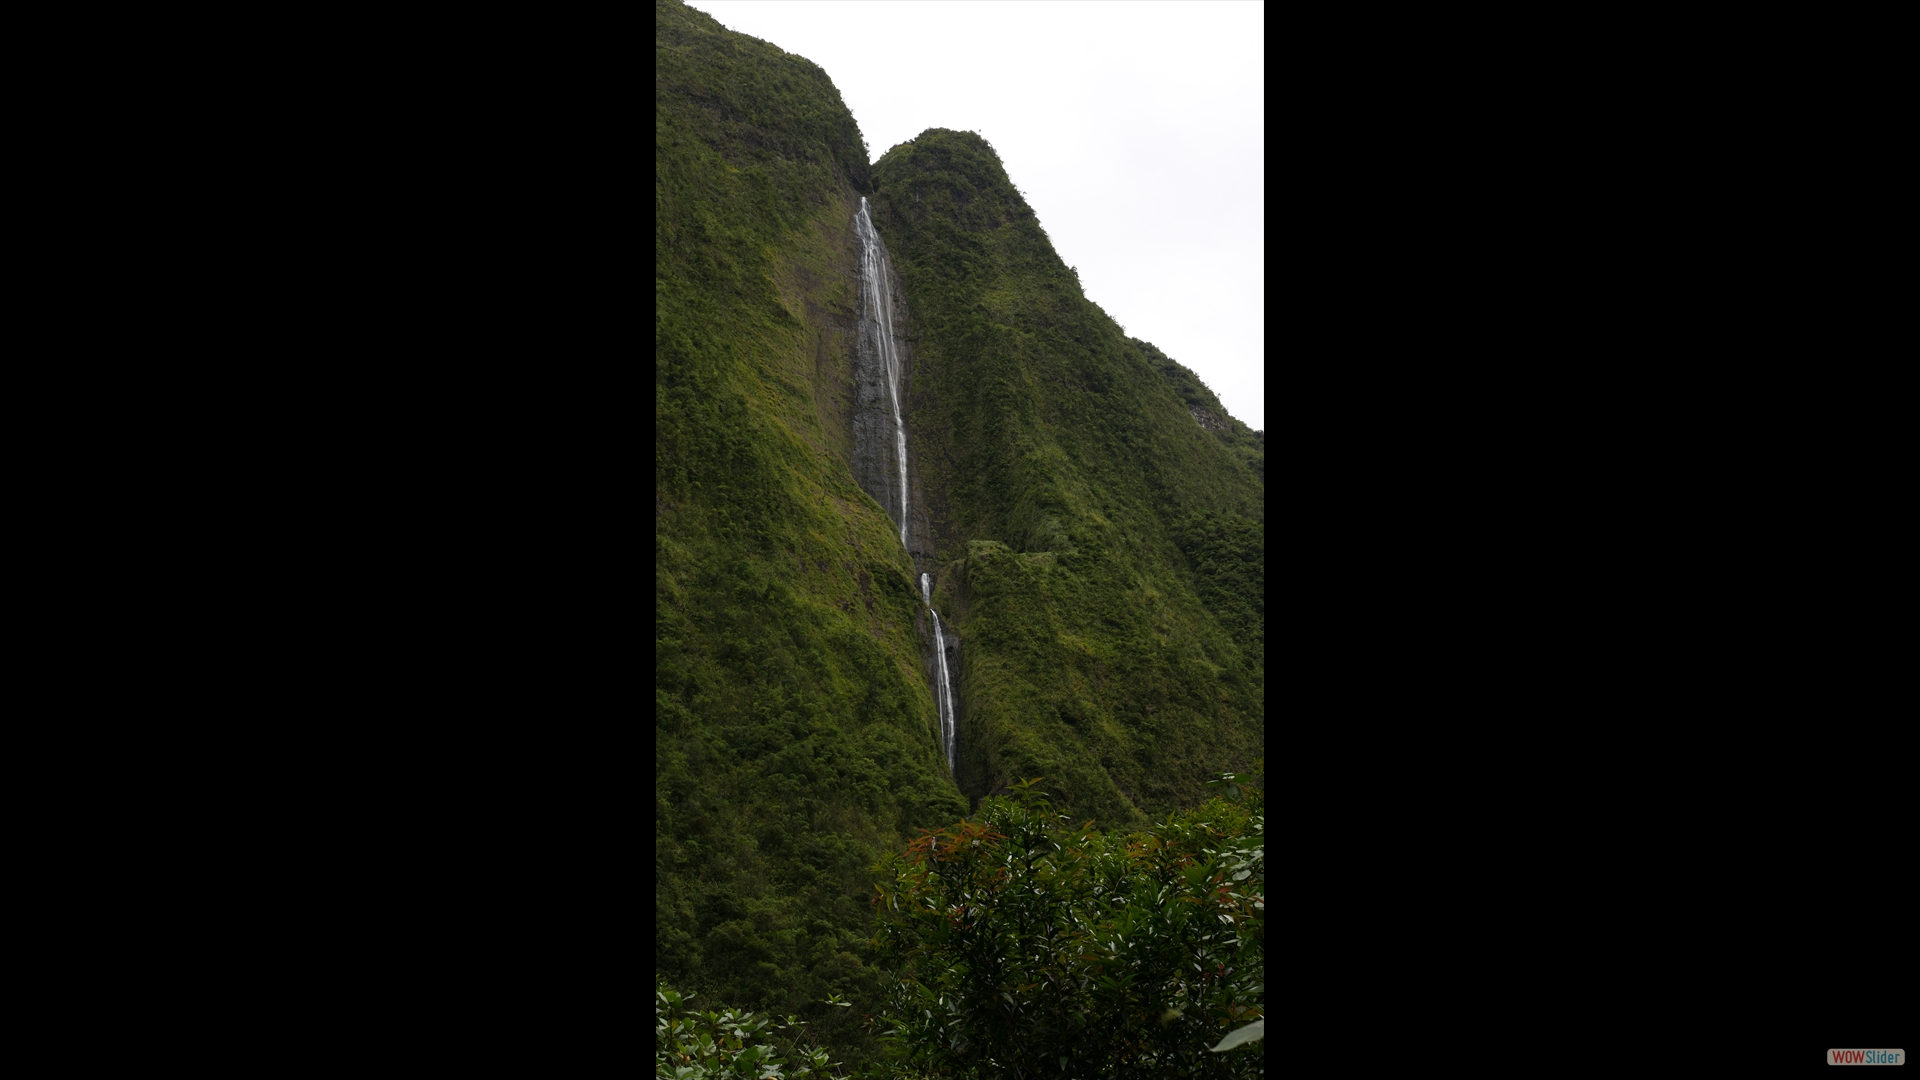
{"type": "Point", "coordinates": [1136, 131]}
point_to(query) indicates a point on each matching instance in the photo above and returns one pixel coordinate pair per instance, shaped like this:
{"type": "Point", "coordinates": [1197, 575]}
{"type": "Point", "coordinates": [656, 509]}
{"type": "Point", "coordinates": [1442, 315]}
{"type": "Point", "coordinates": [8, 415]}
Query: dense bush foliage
{"type": "Point", "coordinates": [691, 1045]}
{"type": "Point", "coordinates": [1028, 946]}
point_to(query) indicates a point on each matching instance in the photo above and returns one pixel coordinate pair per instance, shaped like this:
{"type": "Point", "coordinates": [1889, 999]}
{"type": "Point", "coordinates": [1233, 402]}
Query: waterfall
{"type": "Point", "coordinates": [943, 694]}
{"type": "Point", "coordinates": [877, 343]}
{"type": "Point", "coordinates": [946, 691]}
{"type": "Point", "coordinates": [878, 293]}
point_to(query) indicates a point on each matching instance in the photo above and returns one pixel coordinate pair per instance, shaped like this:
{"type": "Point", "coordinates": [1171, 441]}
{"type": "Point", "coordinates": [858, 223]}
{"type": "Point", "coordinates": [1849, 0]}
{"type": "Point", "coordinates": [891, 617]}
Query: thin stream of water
{"type": "Point", "coordinates": [946, 693]}
{"type": "Point", "coordinates": [878, 296]}
{"type": "Point", "coordinates": [943, 699]}
{"type": "Point", "coordinates": [874, 279]}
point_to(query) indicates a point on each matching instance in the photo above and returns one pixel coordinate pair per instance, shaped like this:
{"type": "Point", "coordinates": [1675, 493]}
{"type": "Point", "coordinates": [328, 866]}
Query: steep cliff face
{"type": "Point", "coordinates": [1095, 544]}
{"type": "Point", "coordinates": [1241, 442]}
{"type": "Point", "coordinates": [796, 730]}
{"type": "Point", "coordinates": [1067, 479]}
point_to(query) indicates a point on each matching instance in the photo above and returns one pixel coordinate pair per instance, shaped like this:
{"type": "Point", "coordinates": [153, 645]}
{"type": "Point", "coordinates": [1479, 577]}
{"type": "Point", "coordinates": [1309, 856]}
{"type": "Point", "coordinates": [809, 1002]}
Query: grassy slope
{"type": "Point", "coordinates": [1103, 553]}
{"type": "Point", "coordinates": [794, 723]}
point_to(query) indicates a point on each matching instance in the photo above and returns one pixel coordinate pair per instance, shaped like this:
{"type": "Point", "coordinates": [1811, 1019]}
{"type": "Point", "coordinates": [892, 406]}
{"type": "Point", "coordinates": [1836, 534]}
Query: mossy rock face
{"type": "Point", "coordinates": [1092, 524]}
{"type": "Point", "coordinates": [794, 722]}
{"type": "Point", "coordinates": [1109, 533]}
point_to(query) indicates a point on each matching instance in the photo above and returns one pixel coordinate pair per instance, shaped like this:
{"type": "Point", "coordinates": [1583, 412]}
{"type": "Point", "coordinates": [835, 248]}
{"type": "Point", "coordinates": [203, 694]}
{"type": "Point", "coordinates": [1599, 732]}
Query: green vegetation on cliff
{"type": "Point", "coordinates": [794, 726]}
{"type": "Point", "coordinates": [1098, 518]}
{"type": "Point", "coordinates": [1105, 550]}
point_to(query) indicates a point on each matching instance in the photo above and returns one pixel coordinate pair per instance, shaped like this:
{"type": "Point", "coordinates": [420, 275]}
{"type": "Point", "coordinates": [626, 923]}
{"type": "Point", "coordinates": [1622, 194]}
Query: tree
{"type": "Point", "coordinates": [1025, 947]}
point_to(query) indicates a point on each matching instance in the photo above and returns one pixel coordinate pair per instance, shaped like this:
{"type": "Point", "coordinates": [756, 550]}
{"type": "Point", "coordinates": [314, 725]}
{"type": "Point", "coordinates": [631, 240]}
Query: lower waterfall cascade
{"type": "Point", "coordinates": [943, 694]}
{"type": "Point", "coordinates": [946, 692]}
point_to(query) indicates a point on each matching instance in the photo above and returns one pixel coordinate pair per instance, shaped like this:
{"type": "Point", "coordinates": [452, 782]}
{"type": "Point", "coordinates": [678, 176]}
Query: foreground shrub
{"type": "Point", "coordinates": [690, 1045]}
{"type": "Point", "coordinates": [1026, 947]}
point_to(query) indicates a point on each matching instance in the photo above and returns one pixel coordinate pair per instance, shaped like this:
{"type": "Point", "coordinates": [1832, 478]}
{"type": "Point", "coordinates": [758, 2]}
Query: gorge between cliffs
{"type": "Point", "coordinates": [880, 445]}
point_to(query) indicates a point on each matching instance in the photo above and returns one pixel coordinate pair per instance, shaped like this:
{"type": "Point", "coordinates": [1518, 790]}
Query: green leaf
{"type": "Point", "coordinates": [1255, 1030]}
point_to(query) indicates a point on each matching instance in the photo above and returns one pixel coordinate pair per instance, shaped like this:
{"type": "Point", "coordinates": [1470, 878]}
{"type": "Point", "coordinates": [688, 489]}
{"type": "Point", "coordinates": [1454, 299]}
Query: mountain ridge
{"type": "Point", "coordinates": [1096, 549]}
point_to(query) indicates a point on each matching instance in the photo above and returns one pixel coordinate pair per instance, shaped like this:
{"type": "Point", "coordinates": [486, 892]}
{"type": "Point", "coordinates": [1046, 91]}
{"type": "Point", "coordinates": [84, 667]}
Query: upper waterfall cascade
{"type": "Point", "coordinates": [876, 325]}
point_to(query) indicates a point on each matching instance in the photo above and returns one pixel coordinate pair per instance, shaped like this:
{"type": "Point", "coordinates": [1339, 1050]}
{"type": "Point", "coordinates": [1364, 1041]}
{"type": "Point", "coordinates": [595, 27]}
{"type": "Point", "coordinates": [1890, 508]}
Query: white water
{"type": "Point", "coordinates": [878, 294]}
{"type": "Point", "coordinates": [944, 700]}
{"type": "Point", "coordinates": [873, 278]}
{"type": "Point", "coordinates": [946, 692]}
